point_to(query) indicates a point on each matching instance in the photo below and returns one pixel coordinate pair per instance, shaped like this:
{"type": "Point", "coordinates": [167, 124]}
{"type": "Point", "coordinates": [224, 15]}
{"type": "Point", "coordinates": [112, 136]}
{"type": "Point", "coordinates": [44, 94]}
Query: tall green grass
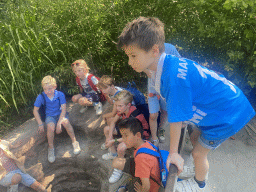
{"type": "Point", "coordinates": [41, 37]}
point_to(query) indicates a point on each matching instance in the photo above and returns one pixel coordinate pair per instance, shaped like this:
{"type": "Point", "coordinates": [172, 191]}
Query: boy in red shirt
{"type": "Point", "coordinates": [143, 166]}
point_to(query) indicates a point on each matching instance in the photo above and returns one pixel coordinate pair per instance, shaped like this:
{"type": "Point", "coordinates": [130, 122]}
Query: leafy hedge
{"type": "Point", "coordinates": [40, 37]}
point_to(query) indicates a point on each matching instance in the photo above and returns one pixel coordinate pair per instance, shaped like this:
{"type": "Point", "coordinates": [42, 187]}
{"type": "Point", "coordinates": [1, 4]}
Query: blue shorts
{"type": "Point", "coordinates": [26, 179]}
{"type": "Point", "coordinates": [210, 144]}
{"type": "Point", "coordinates": [53, 119]}
{"type": "Point", "coordinates": [155, 104]}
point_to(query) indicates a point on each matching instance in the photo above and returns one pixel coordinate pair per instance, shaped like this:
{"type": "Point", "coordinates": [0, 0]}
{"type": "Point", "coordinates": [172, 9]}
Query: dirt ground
{"type": "Point", "coordinates": [232, 165]}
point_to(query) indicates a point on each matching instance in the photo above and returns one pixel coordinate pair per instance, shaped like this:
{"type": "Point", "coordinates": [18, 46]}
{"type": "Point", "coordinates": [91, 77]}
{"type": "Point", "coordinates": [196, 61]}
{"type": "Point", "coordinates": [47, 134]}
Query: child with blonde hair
{"type": "Point", "coordinates": [55, 110]}
{"type": "Point", "coordinates": [90, 95]}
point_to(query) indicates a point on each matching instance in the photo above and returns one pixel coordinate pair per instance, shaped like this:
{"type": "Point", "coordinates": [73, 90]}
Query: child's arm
{"type": "Point", "coordinates": [174, 157]}
{"type": "Point", "coordinates": [111, 114]}
{"type": "Point", "coordinates": [62, 116]}
{"type": "Point", "coordinates": [144, 187]}
{"type": "Point", "coordinates": [112, 126]}
{"type": "Point", "coordinates": [38, 119]}
{"type": "Point", "coordinates": [112, 141]}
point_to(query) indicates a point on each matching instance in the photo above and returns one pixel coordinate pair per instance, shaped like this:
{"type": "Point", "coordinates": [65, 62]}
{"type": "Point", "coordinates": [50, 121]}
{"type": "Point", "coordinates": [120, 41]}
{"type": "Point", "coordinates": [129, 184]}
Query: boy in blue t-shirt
{"type": "Point", "coordinates": [55, 109]}
{"type": "Point", "coordinates": [192, 93]}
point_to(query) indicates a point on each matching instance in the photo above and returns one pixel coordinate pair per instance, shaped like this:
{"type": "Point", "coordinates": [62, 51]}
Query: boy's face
{"type": "Point", "coordinates": [121, 107]}
{"type": "Point", "coordinates": [107, 90]}
{"type": "Point", "coordinates": [80, 72]}
{"type": "Point", "coordinates": [140, 60]}
{"type": "Point", "coordinates": [49, 90]}
{"type": "Point", "coordinates": [128, 137]}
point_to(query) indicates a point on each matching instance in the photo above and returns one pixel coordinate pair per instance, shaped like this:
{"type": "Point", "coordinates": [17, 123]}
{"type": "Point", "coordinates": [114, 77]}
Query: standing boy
{"type": "Point", "coordinates": [143, 166]}
{"type": "Point", "coordinates": [90, 94]}
{"type": "Point", "coordinates": [55, 109]}
{"type": "Point", "coordinates": [192, 93]}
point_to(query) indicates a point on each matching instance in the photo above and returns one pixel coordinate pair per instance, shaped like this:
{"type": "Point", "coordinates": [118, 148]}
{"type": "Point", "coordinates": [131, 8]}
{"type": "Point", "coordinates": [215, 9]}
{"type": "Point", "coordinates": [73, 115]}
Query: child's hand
{"type": "Point", "coordinates": [109, 143]}
{"type": "Point", "coordinates": [58, 128]}
{"type": "Point", "coordinates": [137, 186]}
{"type": "Point", "coordinates": [41, 129]}
{"type": "Point", "coordinates": [175, 158]}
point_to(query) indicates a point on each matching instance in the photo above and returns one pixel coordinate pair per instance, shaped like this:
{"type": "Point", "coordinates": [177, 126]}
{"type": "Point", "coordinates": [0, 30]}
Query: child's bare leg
{"type": "Point", "coordinates": [85, 102]}
{"type": "Point", "coordinates": [199, 154]}
{"type": "Point", "coordinates": [109, 120]}
{"type": "Point", "coordinates": [16, 179]}
{"type": "Point", "coordinates": [194, 136]}
{"type": "Point", "coordinates": [153, 125]}
{"type": "Point", "coordinates": [66, 124]}
{"type": "Point", "coordinates": [75, 98]}
{"type": "Point", "coordinates": [106, 133]}
{"type": "Point", "coordinates": [38, 187]}
{"type": "Point", "coordinates": [118, 163]}
{"type": "Point", "coordinates": [50, 134]}
{"type": "Point", "coordinates": [121, 149]}
{"type": "Point", "coordinates": [163, 117]}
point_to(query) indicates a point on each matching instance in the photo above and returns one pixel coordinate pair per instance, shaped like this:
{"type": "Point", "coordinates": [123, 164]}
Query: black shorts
{"type": "Point", "coordinates": [92, 97]}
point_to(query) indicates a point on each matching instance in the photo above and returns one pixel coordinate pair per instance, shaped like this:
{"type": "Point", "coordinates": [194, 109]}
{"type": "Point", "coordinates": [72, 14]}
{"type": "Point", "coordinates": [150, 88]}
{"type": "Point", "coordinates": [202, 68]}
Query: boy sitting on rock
{"type": "Point", "coordinates": [143, 167]}
{"type": "Point", "coordinates": [123, 102]}
{"type": "Point", "coordinates": [90, 95]}
{"type": "Point", "coordinates": [12, 171]}
{"type": "Point", "coordinates": [55, 109]}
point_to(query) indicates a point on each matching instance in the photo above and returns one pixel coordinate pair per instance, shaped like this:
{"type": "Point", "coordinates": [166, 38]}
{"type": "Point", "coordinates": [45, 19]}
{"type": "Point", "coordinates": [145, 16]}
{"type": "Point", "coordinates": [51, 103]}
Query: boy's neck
{"type": "Point", "coordinates": [139, 143]}
{"type": "Point", "coordinates": [82, 78]}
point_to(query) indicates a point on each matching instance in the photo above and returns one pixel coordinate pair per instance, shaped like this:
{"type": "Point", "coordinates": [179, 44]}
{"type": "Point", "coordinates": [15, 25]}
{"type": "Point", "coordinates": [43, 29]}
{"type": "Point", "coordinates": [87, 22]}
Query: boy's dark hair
{"type": "Point", "coordinates": [131, 123]}
{"type": "Point", "coordinates": [144, 32]}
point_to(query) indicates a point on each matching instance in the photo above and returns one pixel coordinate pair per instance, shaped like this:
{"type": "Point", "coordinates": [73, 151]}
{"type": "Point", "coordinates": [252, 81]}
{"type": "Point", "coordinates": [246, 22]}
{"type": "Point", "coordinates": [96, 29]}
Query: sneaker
{"type": "Point", "coordinates": [188, 185]}
{"type": "Point", "coordinates": [98, 108]}
{"type": "Point", "coordinates": [13, 188]}
{"type": "Point", "coordinates": [161, 135]}
{"type": "Point", "coordinates": [155, 142]}
{"type": "Point", "coordinates": [83, 109]}
{"type": "Point", "coordinates": [188, 172]}
{"type": "Point", "coordinates": [116, 175]}
{"type": "Point", "coordinates": [76, 147]}
{"type": "Point", "coordinates": [103, 146]}
{"type": "Point", "coordinates": [109, 156]}
{"type": "Point", "coordinates": [51, 156]}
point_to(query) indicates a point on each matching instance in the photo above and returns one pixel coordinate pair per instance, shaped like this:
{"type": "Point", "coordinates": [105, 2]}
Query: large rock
{"type": "Point", "coordinates": [84, 172]}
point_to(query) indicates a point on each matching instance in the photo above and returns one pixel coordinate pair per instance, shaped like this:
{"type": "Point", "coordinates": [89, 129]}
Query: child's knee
{"type": "Point", "coordinates": [106, 130]}
{"type": "Point", "coordinates": [51, 127]}
{"type": "Point", "coordinates": [153, 116]}
{"type": "Point", "coordinates": [65, 122]}
{"type": "Point", "coordinates": [16, 179]}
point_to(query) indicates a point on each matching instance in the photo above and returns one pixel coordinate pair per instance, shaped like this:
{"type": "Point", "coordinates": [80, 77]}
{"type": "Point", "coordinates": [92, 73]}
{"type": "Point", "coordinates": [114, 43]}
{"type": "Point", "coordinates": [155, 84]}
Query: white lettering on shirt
{"type": "Point", "coordinates": [198, 115]}
{"type": "Point", "coordinates": [182, 71]}
{"type": "Point", "coordinates": [203, 71]}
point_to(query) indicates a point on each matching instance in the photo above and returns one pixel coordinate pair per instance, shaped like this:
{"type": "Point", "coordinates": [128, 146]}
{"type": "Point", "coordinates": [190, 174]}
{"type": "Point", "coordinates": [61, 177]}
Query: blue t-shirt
{"type": "Point", "coordinates": [197, 94]}
{"type": "Point", "coordinates": [53, 107]}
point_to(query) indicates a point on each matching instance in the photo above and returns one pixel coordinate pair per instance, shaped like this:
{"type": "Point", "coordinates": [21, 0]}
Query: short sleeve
{"type": "Point", "coordinates": [94, 80]}
{"type": "Point", "coordinates": [142, 166]}
{"type": "Point", "coordinates": [62, 98]}
{"type": "Point", "coordinates": [39, 101]}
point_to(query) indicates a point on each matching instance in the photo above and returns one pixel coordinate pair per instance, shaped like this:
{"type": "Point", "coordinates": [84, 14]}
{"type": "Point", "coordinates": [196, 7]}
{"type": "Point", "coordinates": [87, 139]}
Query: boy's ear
{"type": "Point", "coordinates": [155, 50]}
{"type": "Point", "coordinates": [138, 135]}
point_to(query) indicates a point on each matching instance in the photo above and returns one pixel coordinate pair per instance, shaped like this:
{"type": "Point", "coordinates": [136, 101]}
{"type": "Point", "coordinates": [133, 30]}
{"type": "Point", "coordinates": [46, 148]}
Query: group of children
{"type": "Point", "coordinates": [180, 88]}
